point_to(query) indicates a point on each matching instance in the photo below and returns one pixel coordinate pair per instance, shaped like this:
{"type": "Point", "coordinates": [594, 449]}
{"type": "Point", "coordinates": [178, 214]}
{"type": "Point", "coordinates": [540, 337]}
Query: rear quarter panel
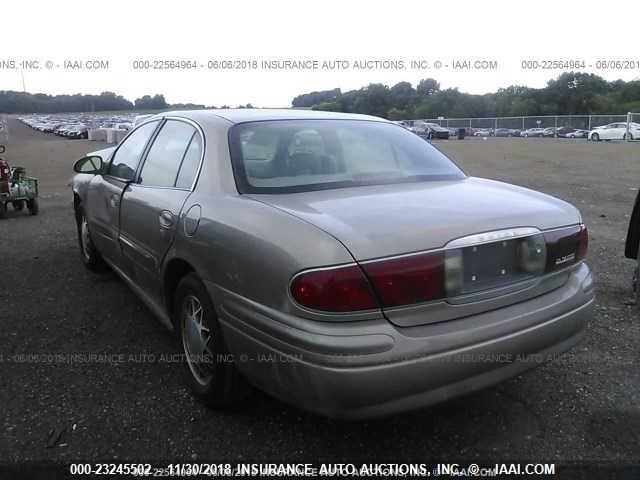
{"type": "Point", "coordinates": [242, 245]}
{"type": "Point", "coordinates": [253, 250]}
{"type": "Point", "coordinates": [633, 231]}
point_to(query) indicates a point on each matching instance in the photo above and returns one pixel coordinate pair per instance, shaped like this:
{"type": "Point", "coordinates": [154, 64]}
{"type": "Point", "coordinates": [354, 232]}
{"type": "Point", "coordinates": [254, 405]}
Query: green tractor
{"type": "Point", "coordinates": [17, 189]}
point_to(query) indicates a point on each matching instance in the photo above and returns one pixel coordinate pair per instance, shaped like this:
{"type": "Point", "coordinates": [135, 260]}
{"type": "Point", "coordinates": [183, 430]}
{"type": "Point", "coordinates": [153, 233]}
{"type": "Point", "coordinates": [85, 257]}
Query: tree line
{"type": "Point", "coordinates": [23, 102]}
{"type": "Point", "coordinates": [572, 93]}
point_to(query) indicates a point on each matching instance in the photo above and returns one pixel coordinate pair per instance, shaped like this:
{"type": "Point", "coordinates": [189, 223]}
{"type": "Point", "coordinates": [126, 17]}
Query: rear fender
{"type": "Point", "coordinates": [633, 232]}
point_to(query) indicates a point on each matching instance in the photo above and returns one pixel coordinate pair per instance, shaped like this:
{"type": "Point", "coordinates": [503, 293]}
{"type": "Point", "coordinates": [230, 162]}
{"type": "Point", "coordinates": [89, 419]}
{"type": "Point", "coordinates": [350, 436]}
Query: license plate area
{"type": "Point", "coordinates": [487, 266]}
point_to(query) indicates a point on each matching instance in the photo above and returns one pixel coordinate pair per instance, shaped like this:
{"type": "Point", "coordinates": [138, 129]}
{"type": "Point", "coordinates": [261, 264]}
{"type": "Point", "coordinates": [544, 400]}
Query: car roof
{"type": "Point", "coordinates": [241, 115]}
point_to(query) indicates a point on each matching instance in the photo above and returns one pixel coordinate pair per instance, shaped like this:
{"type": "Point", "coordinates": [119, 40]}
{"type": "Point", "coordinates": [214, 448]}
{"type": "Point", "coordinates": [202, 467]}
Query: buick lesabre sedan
{"type": "Point", "coordinates": [338, 262]}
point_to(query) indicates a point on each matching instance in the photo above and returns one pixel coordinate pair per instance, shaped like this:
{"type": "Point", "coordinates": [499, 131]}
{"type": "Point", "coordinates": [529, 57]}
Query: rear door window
{"type": "Point", "coordinates": [166, 154]}
{"type": "Point", "coordinates": [190, 163]}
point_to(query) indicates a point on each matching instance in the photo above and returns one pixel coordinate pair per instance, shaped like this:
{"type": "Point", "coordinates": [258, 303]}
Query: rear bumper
{"type": "Point", "coordinates": [374, 368]}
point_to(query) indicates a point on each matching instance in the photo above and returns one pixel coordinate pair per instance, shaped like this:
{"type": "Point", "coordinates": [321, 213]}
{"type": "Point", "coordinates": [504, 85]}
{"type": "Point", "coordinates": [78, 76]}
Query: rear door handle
{"type": "Point", "coordinates": [166, 219]}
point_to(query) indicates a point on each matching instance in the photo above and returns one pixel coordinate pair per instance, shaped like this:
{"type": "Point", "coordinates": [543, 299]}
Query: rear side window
{"type": "Point", "coordinates": [125, 160]}
{"type": "Point", "coordinates": [190, 163]}
{"type": "Point", "coordinates": [165, 156]}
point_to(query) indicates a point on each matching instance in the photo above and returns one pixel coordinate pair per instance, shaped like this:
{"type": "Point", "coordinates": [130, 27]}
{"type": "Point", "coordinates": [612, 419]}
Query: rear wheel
{"type": "Point", "coordinates": [33, 206]}
{"type": "Point", "coordinates": [209, 368]}
{"type": "Point", "coordinates": [88, 252]}
{"type": "Point", "coordinates": [636, 279]}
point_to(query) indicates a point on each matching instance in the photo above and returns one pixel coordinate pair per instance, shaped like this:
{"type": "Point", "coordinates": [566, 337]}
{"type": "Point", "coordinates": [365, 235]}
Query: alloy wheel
{"type": "Point", "coordinates": [196, 339]}
{"type": "Point", "coordinates": [85, 239]}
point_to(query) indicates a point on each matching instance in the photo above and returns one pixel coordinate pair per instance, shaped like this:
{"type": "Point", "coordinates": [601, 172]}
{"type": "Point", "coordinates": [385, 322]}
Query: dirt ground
{"type": "Point", "coordinates": [584, 406]}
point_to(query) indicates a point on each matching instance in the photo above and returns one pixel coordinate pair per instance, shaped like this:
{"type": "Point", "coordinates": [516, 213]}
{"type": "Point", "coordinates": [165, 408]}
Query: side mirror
{"type": "Point", "coordinates": [92, 164]}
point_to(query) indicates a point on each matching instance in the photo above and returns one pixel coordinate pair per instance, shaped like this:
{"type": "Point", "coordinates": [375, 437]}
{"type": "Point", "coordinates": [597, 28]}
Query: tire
{"type": "Point", "coordinates": [636, 280]}
{"type": "Point", "coordinates": [33, 206]}
{"type": "Point", "coordinates": [3, 210]}
{"type": "Point", "coordinates": [89, 254]}
{"type": "Point", "coordinates": [18, 205]}
{"type": "Point", "coordinates": [209, 369]}
{"type": "Point", "coordinates": [595, 137]}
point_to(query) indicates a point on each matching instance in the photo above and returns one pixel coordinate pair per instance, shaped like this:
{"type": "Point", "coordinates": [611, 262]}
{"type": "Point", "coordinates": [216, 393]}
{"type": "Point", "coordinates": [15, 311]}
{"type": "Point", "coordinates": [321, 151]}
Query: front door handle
{"type": "Point", "coordinates": [166, 219]}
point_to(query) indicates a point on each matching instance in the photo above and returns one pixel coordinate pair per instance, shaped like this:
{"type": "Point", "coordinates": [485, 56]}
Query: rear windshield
{"type": "Point", "coordinates": [300, 155]}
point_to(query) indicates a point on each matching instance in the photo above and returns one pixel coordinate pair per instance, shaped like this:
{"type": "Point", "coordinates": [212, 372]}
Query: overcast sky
{"type": "Point", "coordinates": [123, 31]}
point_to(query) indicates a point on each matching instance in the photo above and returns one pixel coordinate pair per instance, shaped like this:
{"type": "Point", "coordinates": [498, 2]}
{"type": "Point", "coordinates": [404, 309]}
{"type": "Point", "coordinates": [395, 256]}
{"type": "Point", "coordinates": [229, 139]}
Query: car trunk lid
{"type": "Point", "coordinates": [386, 220]}
{"type": "Point", "coordinates": [376, 222]}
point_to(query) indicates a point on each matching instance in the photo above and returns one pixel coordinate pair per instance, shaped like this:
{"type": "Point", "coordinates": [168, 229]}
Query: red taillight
{"type": "Point", "coordinates": [423, 277]}
{"type": "Point", "coordinates": [340, 289]}
{"type": "Point", "coordinates": [583, 243]}
{"type": "Point", "coordinates": [407, 280]}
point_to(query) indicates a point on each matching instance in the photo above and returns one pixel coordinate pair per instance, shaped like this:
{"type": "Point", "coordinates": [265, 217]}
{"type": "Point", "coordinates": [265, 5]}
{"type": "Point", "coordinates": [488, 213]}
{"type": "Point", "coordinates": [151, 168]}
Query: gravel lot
{"type": "Point", "coordinates": [584, 406]}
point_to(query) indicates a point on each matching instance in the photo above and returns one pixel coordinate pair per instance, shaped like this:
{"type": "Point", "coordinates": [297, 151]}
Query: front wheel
{"type": "Point", "coordinates": [209, 367]}
{"type": "Point", "coordinates": [595, 137]}
{"type": "Point", "coordinates": [18, 205]}
{"type": "Point", "coordinates": [3, 209]}
{"type": "Point", "coordinates": [88, 252]}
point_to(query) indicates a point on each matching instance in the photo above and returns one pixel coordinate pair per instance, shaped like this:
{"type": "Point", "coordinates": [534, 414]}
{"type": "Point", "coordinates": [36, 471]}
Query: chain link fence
{"type": "Point", "coordinates": [578, 122]}
{"type": "Point", "coordinates": [633, 125]}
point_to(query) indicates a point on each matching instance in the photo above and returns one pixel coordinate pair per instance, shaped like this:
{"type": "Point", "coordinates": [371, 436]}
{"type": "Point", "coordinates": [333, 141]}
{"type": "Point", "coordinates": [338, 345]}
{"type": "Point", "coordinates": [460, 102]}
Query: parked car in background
{"type": "Point", "coordinates": [429, 130]}
{"type": "Point", "coordinates": [549, 132]}
{"type": "Point", "coordinates": [403, 123]}
{"type": "Point", "coordinates": [51, 127]}
{"type": "Point", "coordinates": [374, 270]}
{"type": "Point", "coordinates": [615, 131]}
{"type": "Point", "coordinates": [482, 132]}
{"type": "Point", "coordinates": [506, 132]}
{"type": "Point", "coordinates": [63, 130]}
{"type": "Point", "coordinates": [532, 132]}
{"type": "Point", "coordinates": [79, 131]}
{"type": "Point", "coordinates": [76, 125]}
{"type": "Point", "coordinates": [564, 131]}
{"type": "Point", "coordinates": [577, 134]}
